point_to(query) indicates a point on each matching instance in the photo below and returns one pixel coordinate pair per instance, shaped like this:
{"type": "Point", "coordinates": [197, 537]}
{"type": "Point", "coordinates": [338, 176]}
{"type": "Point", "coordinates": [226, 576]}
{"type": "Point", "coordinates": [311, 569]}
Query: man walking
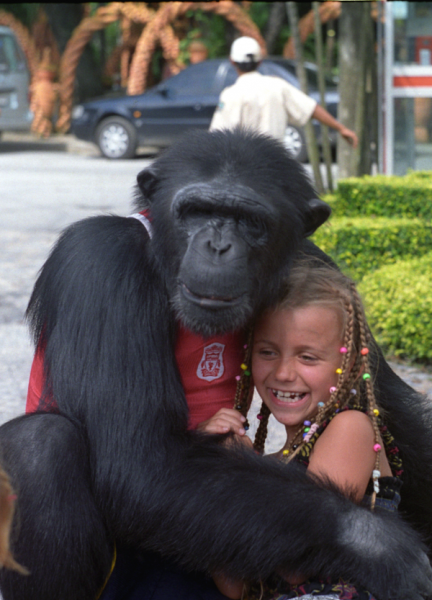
{"type": "Point", "coordinates": [265, 103]}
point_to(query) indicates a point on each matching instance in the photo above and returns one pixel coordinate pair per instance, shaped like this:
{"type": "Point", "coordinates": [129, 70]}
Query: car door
{"type": "Point", "coordinates": [182, 102]}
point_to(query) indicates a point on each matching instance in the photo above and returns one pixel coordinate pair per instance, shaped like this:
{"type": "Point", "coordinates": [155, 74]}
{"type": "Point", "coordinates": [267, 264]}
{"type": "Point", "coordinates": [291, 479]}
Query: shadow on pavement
{"type": "Point", "coordinates": [30, 146]}
{"type": "Point", "coordinates": [144, 153]}
{"type": "Point", "coordinates": [11, 142]}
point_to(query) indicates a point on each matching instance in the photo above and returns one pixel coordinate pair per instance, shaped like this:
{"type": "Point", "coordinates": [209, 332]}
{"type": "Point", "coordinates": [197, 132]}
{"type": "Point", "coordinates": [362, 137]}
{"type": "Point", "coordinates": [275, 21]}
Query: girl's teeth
{"type": "Point", "coordinates": [288, 396]}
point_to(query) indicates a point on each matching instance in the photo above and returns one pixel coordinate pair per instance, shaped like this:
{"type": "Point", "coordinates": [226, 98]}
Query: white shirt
{"type": "Point", "coordinates": [263, 103]}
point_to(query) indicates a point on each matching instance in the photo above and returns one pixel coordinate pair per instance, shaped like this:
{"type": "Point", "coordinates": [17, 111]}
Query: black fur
{"type": "Point", "coordinates": [67, 545]}
{"type": "Point", "coordinates": [105, 309]}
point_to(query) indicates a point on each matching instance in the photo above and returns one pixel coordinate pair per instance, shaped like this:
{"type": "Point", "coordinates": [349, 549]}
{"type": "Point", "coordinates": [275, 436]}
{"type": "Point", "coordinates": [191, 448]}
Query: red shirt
{"type": "Point", "coordinates": [208, 368]}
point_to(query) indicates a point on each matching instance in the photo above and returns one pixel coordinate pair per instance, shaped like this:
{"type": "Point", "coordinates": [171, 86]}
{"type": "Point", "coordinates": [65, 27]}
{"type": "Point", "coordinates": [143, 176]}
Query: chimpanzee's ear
{"type": "Point", "coordinates": [147, 180]}
{"type": "Point", "coordinates": [317, 213]}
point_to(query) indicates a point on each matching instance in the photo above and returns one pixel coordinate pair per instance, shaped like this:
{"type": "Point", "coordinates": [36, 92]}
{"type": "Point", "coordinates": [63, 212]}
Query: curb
{"type": "Point", "coordinates": [58, 142]}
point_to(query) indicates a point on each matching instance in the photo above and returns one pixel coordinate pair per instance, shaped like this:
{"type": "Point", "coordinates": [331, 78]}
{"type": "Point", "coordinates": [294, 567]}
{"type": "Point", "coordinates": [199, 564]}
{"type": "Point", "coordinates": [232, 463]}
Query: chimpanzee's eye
{"type": "Point", "coordinates": [254, 228]}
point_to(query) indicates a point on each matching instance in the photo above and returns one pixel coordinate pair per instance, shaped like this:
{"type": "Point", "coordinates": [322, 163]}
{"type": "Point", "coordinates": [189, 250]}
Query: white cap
{"type": "Point", "coordinates": [244, 50]}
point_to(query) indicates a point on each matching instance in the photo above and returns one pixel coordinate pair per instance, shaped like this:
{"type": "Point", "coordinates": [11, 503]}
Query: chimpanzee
{"type": "Point", "coordinates": [111, 462]}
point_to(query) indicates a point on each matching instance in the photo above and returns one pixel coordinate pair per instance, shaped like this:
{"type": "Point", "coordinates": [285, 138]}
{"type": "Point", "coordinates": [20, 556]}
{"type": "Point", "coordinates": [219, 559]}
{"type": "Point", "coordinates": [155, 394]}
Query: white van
{"type": "Point", "coordinates": [15, 114]}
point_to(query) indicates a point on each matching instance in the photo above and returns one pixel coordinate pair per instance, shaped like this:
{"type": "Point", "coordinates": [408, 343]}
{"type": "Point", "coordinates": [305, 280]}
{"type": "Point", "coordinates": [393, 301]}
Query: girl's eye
{"type": "Point", "coordinates": [308, 358]}
{"type": "Point", "coordinates": [265, 353]}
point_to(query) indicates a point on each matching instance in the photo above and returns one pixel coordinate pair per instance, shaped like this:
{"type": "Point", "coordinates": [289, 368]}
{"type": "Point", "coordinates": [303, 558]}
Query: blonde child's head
{"type": "Point", "coordinates": [314, 283]}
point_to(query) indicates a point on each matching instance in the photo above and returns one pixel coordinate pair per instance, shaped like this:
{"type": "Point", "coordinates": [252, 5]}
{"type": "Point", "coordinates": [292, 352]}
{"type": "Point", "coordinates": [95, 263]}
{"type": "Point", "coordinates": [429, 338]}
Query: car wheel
{"type": "Point", "coordinates": [116, 138]}
{"type": "Point", "coordinates": [295, 142]}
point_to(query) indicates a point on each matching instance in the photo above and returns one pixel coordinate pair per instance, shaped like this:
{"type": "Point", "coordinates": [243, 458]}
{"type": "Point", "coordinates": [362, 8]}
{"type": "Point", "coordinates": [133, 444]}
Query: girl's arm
{"type": "Point", "coordinates": [344, 453]}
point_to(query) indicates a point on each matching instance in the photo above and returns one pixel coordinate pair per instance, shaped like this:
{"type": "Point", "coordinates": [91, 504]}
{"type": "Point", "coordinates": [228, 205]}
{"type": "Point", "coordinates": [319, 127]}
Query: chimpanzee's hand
{"type": "Point", "coordinates": [391, 560]}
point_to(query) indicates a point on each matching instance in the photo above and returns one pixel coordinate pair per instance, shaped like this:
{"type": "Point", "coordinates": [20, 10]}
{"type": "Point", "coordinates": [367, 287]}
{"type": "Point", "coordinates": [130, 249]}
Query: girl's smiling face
{"type": "Point", "coordinates": [295, 356]}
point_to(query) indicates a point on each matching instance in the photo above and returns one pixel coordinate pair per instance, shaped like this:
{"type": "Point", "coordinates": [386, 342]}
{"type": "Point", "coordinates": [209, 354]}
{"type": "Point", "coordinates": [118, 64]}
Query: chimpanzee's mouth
{"type": "Point", "coordinates": [212, 302]}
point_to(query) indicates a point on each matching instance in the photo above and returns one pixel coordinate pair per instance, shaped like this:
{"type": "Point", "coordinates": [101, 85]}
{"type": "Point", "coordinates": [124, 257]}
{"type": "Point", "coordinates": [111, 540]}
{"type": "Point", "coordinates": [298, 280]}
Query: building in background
{"type": "Point", "coordinates": [405, 78]}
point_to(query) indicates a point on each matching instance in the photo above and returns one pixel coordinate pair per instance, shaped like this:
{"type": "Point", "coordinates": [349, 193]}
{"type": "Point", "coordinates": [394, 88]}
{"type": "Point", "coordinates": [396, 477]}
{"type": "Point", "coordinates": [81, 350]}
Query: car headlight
{"type": "Point", "coordinates": [78, 111]}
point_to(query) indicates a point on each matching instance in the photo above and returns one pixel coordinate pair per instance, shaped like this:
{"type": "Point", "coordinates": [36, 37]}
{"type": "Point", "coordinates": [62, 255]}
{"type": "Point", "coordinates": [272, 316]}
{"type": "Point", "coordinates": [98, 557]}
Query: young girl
{"type": "Point", "coordinates": [310, 365]}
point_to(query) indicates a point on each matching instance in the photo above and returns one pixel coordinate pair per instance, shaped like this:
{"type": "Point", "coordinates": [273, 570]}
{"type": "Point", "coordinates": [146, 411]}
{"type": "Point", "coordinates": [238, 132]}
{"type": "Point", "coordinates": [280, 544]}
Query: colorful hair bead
{"type": "Point", "coordinates": [243, 367]}
{"type": "Point", "coordinates": [306, 429]}
{"type": "Point", "coordinates": [246, 427]}
{"type": "Point", "coordinates": [366, 376]}
{"type": "Point", "coordinates": [338, 371]}
{"type": "Point", "coordinates": [320, 404]}
{"type": "Point", "coordinates": [364, 351]}
{"type": "Point", "coordinates": [259, 417]}
{"type": "Point", "coordinates": [237, 377]}
{"type": "Point", "coordinates": [376, 474]}
{"type": "Point", "coordinates": [307, 436]}
{"type": "Point", "coordinates": [377, 447]}
{"type": "Point", "coordinates": [353, 392]}
{"type": "Point", "coordinates": [376, 412]}
{"type": "Point", "coordinates": [332, 389]}
{"type": "Point", "coordinates": [285, 452]}
{"type": "Point", "coordinates": [307, 423]}
{"type": "Point", "coordinates": [245, 346]}
{"type": "Point", "coordinates": [247, 373]}
{"type": "Point", "coordinates": [343, 350]}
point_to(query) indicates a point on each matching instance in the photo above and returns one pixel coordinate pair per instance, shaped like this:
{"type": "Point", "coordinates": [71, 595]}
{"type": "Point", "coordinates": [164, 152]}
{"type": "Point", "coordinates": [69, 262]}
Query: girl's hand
{"type": "Point", "coordinates": [291, 578]}
{"type": "Point", "coordinates": [228, 587]}
{"type": "Point", "coordinates": [294, 579]}
{"type": "Point", "coordinates": [224, 421]}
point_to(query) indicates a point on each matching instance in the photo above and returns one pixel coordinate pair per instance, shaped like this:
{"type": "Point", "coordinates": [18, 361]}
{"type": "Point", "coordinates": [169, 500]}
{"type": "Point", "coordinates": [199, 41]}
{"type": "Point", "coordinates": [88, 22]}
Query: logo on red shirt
{"type": "Point", "coordinates": [211, 365]}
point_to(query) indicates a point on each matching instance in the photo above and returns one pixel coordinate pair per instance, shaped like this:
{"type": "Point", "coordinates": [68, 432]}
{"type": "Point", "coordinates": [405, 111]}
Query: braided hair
{"type": "Point", "coordinates": [312, 282]}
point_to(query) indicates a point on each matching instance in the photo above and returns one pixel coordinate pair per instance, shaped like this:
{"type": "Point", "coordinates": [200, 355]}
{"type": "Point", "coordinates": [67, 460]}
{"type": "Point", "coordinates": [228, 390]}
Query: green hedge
{"type": "Point", "coordinates": [398, 300]}
{"type": "Point", "coordinates": [380, 195]}
{"type": "Point", "coordinates": [360, 245]}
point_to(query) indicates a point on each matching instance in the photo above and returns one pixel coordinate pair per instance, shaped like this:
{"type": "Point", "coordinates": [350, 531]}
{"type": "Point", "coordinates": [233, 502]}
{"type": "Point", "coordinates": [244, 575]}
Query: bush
{"type": "Point", "coordinates": [398, 300]}
{"type": "Point", "coordinates": [361, 245]}
{"type": "Point", "coordinates": [380, 195]}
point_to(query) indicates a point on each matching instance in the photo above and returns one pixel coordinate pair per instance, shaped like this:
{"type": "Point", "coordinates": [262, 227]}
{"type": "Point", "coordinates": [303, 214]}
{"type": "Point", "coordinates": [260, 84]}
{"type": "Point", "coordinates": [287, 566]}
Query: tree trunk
{"type": "Point", "coordinates": [325, 138]}
{"type": "Point", "coordinates": [63, 19]}
{"type": "Point", "coordinates": [330, 43]}
{"type": "Point", "coordinates": [301, 74]}
{"type": "Point", "coordinates": [275, 23]}
{"type": "Point", "coordinates": [356, 87]}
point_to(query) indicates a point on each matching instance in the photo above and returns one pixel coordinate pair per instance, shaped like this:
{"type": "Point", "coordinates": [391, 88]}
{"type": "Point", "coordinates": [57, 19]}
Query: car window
{"type": "Point", "coordinates": [275, 69]}
{"type": "Point", "coordinates": [311, 74]}
{"type": "Point", "coordinates": [196, 79]}
{"type": "Point", "coordinates": [11, 57]}
{"type": "Point", "coordinates": [230, 75]}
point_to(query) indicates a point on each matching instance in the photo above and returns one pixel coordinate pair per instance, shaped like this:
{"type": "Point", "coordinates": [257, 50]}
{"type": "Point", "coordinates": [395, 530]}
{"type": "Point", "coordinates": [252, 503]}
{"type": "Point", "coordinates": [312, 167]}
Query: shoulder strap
{"type": "Point", "coordinates": [144, 220]}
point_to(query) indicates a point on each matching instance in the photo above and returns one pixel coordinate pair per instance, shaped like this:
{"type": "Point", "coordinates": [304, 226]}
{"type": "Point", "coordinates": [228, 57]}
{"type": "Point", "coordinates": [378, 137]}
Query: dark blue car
{"type": "Point", "coordinates": [118, 125]}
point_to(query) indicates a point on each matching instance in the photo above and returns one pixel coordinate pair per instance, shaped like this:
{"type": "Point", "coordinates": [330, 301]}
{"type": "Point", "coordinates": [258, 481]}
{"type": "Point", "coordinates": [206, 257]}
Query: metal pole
{"type": "Point", "coordinates": [381, 99]}
{"type": "Point", "coordinates": [388, 90]}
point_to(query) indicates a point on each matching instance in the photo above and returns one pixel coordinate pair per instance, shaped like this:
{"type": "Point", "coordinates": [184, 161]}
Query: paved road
{"type": "Point", "coordinates": [44, 186]}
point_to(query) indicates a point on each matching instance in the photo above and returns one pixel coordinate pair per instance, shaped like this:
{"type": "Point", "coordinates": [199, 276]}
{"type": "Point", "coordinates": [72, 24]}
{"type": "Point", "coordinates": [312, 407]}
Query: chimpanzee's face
{"type": "Point", "coordinates": [225, 236]}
